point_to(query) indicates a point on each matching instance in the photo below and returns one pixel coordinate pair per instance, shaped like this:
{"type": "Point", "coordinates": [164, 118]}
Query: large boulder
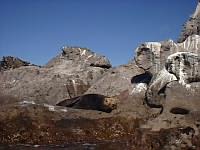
{"type": "Point", "coordinates": [116, 80]}
{"type": "Point", "coordinates": [167, 61]}
{"type": "Point", "coordinates": [182, 100]}
{"type": "Point", "coordinates": [156, 90]}
{"type": "Point", "coordinates": [185, 66]}
{"type": "Point", "coordinates": [181, 66]}
{"type": "Point", "coordinates": [68, 75]}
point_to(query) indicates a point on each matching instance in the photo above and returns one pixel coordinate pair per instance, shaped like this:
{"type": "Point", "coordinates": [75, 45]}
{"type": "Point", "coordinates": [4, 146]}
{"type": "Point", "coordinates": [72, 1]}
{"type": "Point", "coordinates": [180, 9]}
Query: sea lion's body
{"type": "Point", "coordinates": [91, 102]}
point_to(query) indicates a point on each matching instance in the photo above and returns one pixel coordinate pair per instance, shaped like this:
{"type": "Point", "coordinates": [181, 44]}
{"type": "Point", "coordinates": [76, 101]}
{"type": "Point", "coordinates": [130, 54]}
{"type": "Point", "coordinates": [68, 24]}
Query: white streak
{"type": "Point", "coordinates": [50, 107]}
{"type": "Point", "coordinates": [88, 57]}
{"type": "Point", "coordinates": [197, 11]}
{"type": "Point", "coordinates": [63, 110]}
{"type": "Point", "coordinates": [83, 53]}
{"type": "Point", "coordinates": [27, 102]}
{"type": "Point", "coordinates": [139, 88]}
{"type": "Point", "coordinates": [74, 86]}
{"type": "Point", "coordinates": [155, 47]}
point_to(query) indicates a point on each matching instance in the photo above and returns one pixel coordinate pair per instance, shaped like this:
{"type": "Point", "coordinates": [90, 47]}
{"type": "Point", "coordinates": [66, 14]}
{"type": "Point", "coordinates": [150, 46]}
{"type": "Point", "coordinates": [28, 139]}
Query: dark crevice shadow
{"type": "Point", "coordinates": [180, 111]}
{"type": "Point", "coordinates": [142, 78]}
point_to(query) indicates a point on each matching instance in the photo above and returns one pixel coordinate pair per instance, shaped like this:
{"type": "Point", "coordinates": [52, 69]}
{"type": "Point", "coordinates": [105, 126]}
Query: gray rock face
{"type": "Point", "coordinates": [116, 80]}
{"type": "Point", "coordinates": [185, 66]}
{"type": "Point", "coordinates": [165, 60]}
{"type": "Point", "coordinates": [178, 97]}
{"type": "Point", "coordinates": [192, 26]}
{"type": "Point", "coordinates": [181, 66]}
{"type": "Point", "coordinates": [151, 56]}
{"type": "Point", "coordinates": [148, 56]}
{"type": "Point", "coordinates": [156, 91]}
{"type": "Point", "coordinates": [68, 75]}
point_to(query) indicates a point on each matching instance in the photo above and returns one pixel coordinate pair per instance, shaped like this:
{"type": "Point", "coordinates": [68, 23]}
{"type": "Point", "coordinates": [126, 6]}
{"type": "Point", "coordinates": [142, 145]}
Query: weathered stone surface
{"type": "Point", "coordinates": [71, 56]}
{"type": "Point", "coordinates": [185, 66]}
{"type": "Point", "coordinates": [151, 56]}
{"type": "Point", "coordinates": [156, 91]}
{"type": "Point", "coordinates": [179, 60]}
{"type": "Point", "coordinates": [148, 56]}
{"type": "Point", "coordinates": [179, 96]}
{"type": "Point", "coordinates": [116, 80]}
{"type": "Point", "coordinates": [66, 76]}
{"type": "Point", "coordinates": [10, 62]}
{"type": "Point", "coordinates": [7, 99]}
{"type": "Point", "coordinates": [181, 66]}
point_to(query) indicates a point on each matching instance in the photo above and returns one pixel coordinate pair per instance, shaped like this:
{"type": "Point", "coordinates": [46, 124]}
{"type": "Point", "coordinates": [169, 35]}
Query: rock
{"type": "Point", "coordinates": [181, 66]}
{"type": "Point", "coordinates": [79, 56]}
{"type": "Point", "coordinates": [116, 80]}
{"type": "Point", "coordinates": [140, 84]}
{"type": "Point", "coordinates": [7, 99]}
{"type": "Point", "coordinates": [66, 76]}
{"type": "Point", "coordinates": [91, 102]}
{"type": "Point", "coordinates": [182, 98]}
{"type": "Point", "coordinates": [148, 56]}
{"type": "Point", "coordinates": [156, 91]}
{"type": "Point", "coordinates": [22, 124]}
{"type": "Point", "coordinates": [185, 66]}
{"type": "Point", "coordinates": [151, 56]}
{"type": "Point", "coordinates": [10, 62]}
{"type": "Point", "coordinates": [154, 56]}
{"type": "Point", "coordinates": [192, 26]}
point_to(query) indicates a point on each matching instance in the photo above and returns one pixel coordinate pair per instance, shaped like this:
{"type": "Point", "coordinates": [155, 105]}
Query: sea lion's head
{"type": "Point", "coordinates": [110, 102]}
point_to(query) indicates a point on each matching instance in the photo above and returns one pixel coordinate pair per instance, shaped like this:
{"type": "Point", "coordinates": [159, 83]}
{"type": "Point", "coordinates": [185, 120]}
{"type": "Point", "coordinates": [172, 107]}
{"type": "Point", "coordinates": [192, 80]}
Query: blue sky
{"type": "Point", "coordinates": [34, 30]}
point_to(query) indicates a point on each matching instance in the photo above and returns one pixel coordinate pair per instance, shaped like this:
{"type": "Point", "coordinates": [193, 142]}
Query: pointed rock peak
{"type": "Point", "coordinates": [192, 26]}
{"type": "Point", "coordinates": [197, 11]}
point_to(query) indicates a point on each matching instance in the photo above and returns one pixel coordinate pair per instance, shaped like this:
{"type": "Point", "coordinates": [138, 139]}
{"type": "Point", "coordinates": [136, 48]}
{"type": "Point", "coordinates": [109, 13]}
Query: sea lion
{"type": "Point", "coordinates": [91, 102]}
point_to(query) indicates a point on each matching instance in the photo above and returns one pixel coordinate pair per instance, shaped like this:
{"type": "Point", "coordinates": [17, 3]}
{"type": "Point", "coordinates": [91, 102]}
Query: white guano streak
{"type": "Point", "coordinates": [74, 86]}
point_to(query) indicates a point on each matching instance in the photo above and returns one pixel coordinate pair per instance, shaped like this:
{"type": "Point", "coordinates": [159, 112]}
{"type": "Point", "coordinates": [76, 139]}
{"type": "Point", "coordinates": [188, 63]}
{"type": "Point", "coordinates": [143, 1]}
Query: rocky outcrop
{"type": "Point", "coordinates": [68, 75]}
{"type": "Point", "coordinates": [155, 96]}
{"type": "Point", "coordinates": [71, 56]}
{"type": "Point", "coordinates": [10, 62]}
{"type": "Point", "coordinates": [116, 80]}
{"type": "Point", "coordinates": [185, 66]}
{"type": "Point", "coordinates": [192, 26]}
{"type": "Point", "coordinates": [179, 97]}
{"type": "Point", "coordinates": [151, 56]}
{"type": "Point", "coordinates": [181, 66]}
